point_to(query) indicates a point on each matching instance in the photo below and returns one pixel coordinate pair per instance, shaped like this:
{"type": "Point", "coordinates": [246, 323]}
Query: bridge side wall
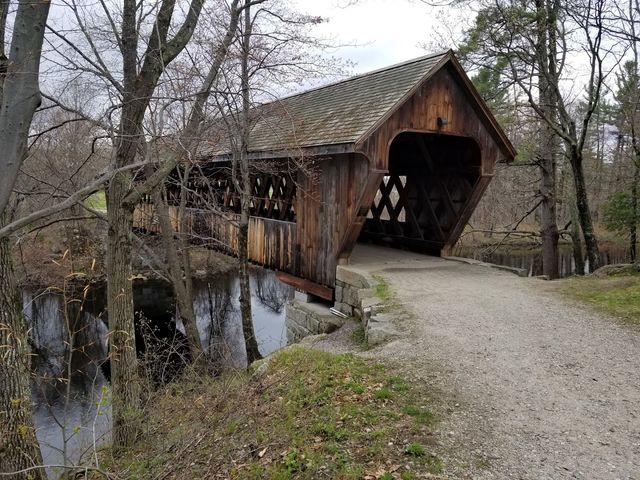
{"type": "Point", "coordinates": [272, 243]}
{"type": "Point", "coordinates": [325, 207]}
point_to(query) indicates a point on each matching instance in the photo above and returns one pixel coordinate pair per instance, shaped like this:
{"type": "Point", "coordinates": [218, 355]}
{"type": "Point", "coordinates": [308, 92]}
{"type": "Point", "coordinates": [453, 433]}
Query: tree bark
{"type": "Point", "coordinates": [546, 54]}
{"type": "Point", "coordinates": [584, 214]}
{"type": "Point", "coordinates": [125, 379]}
{"type": "Point", "coordinates": [548, 217]}
{"type": "Point", "coordinates": [633, 224]}
{"type": "Point", "coordinates": [576, 239]}
{"type": "Point", "coordinates": [20, 90]}
{"type": "Point", "coordinates": [18, 444]}
{"type": "Point", "coordinates": [19, 98]}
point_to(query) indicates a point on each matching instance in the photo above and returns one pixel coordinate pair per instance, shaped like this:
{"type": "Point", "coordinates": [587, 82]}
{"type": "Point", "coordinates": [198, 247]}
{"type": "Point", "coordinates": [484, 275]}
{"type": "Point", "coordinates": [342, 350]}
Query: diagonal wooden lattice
{"type": "Point", "coordinates": [417, 206]}
{"type": "Point", "coordinates": [271, 195]}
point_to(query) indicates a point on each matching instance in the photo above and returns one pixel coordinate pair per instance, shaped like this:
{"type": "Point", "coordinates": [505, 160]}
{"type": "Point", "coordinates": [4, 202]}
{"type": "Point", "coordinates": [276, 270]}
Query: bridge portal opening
{"type": "Point", "coordinates": [420, 201]}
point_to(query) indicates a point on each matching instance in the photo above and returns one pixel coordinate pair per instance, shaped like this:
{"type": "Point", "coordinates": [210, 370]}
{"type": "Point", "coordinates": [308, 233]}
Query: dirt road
{"type": "Point", "coordinates": [538, 387]}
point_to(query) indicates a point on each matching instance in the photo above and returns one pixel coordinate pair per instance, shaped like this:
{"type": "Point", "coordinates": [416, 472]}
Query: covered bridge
{"type": "Point", "coordinates": [399, 156]}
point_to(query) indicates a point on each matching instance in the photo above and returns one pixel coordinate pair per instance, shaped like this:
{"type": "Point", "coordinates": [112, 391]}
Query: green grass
{"type": "Point", "coordinates": [358, 336]}
{"type": "Point", "coordinates": [421, 415]}
{"type": "Point", "coordinates": [382, 289]}
{"type": "Point", "coordinates": [616, 294]}
{"type": "Point", "coordinates": [97, 201]}
{"type": "Point", "coordinates": [415, 450]}
{"type": "Point", "coordinates": [312, 415]}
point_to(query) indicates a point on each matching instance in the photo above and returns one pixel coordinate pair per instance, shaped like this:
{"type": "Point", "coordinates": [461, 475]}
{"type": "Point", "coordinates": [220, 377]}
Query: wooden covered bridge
{"type": "Point", "coordinates": [400, 156]}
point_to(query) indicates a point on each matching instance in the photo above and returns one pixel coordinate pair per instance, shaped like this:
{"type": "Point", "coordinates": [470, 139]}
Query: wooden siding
{"type": "Point", "coordinates": [441, 96]}
{"type": "Point", "coordinates": [325, 206]}
{"type": "Point", "coordinates": [272, 243]}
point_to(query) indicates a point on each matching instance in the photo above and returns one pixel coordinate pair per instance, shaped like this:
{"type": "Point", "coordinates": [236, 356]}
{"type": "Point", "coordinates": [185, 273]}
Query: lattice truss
{"type": "Point", "coordinates": [273, 195]}
{"type": "Point", "coordinates": [422, 197]}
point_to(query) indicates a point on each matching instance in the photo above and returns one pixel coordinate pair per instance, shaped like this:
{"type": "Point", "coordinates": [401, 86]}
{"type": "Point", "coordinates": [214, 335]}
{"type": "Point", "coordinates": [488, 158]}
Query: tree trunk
{"type": "Point", "coordinates": [180, 277]}
{"type": "Point", "coordinates": [633, 224]}
{"type": "Point", "coordinates": [18, 444]}
{"type": "Point", "coordinates": [548, 142]}
{"type": "Point", "coordinates": [125, 379]}
{"type": "Point", "coordinates": [20, 94]}
{"type": "Point", "coordinates": [576, 241]}
{"type": "Point", "coordinates": [548, 222]}
{"type": "Point", "coordinates": [19, 98]}
{"type": "Point", "coordinates": [584, 215]}
{"type": "Point", "coordinates": [251, 344]}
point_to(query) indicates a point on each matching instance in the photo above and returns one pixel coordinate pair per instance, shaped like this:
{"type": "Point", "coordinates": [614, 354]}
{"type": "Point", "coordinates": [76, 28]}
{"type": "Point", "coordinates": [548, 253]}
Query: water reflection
{"type": "Point", "coordinates": [530, 259]}
{"type": "Point", "coordinates": [70, 388]}
{"type": "Point", "coordinates": [72, 412]}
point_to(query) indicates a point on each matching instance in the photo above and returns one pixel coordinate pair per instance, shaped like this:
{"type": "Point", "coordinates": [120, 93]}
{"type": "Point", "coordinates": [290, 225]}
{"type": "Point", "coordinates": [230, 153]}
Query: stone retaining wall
{"type": "Point", "coordinates": [304, 319]}
{"type": "Point", "coordinates": [355, 296]}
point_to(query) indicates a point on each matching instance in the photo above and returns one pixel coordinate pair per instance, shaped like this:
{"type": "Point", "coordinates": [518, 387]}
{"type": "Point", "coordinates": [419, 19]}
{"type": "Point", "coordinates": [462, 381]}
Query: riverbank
{"type": "Point", "coordinates": [612, 290]}
{"type": "Point", "coordinates": [305, 414]}
{"type": "Point", "coordinates": [45, 259]}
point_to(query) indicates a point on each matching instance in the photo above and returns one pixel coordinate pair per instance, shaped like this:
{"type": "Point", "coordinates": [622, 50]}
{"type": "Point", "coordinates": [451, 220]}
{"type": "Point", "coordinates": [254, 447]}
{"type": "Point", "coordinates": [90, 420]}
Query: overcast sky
{"type": "Point", "coordinates": [386, 31]}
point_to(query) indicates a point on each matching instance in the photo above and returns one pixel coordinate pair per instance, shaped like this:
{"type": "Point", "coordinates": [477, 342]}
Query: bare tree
{"type": "Point", "coordinates": [514, 31]}
{"type": "Point", "coordinates": [20, 96]}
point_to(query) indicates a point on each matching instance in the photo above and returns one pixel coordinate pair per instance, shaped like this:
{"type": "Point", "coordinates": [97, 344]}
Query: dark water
{"type": "Point", "coordinates": [70, 389]}
{"type": "Point", "coordinates": [530, 259]}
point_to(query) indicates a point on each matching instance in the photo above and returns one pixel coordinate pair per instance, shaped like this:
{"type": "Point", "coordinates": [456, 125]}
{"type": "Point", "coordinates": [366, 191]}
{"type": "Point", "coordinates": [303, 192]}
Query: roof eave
{"type": "Point", "coordinates": [298, 152]}
{"type": "Point", "coordinates": [507, 147]}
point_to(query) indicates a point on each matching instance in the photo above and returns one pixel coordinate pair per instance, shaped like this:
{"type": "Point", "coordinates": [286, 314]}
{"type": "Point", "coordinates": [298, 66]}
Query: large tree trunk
{"type": "Point", "coordinates": [125, 378]}
{"type": "Point", "coordinates": [20, 93]}
{"type": "Point", "coordinates": [547, 152]}
{"type": "Point", "coordinates": [19, 98]}
{"type": "Point", "coordinates": [576, 240]}
{"type": "Point", "coordinates": [548, 217]}
{"type": "Point", "coordinates": [18, 445]}
{"type": "Point", "coordinates": [584, 214]}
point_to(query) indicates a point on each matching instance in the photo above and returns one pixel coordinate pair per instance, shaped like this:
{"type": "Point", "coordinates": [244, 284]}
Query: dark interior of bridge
{"type": "Point", "coordinates": [418, 203]}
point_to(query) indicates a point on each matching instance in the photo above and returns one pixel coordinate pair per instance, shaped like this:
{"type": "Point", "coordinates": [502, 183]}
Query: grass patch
{"type": "Point", "coordinates": [421, 415]}
{"type": "Point", "coordinates": [615, 294]}
{"type": "Point", "coordinates": [382, 289]}
{"type": "Point", "coordinates": [415, 450]}
{"type": "Point", "coordinates": [312, 415]}
{"type": "Point", "coordinates": [359, 337]}
{"type": "Point", "coordinates": [97, 201]}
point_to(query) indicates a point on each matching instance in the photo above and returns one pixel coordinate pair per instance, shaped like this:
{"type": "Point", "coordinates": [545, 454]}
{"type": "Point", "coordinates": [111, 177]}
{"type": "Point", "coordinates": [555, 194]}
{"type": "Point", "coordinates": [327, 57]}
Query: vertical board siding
{"type": "Point", "coordinates": [441, 96]}
{"type": "Point", "coordinates": [272, 243]}
{"type": "Point", "coordinates": [325, 208]}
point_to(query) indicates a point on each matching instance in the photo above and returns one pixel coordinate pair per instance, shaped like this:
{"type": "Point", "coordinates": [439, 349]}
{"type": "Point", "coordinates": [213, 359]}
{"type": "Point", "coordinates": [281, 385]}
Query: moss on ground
{"type": "Point", "coordinates": [382, 289]}
{"type": "Point", "coordinates": [615, 294]}
{"type": "Point", "coordinates": [311, 415]}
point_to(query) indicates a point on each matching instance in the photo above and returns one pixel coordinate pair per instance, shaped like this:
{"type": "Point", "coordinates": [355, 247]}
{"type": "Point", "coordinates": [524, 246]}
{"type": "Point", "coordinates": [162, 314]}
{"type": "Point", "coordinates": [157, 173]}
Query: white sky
{"type": "Point", "coordinates": [383, 32]}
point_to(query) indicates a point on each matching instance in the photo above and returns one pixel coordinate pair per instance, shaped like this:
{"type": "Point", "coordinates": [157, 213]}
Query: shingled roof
{"type": "Point", "coordinates": [339, 113]}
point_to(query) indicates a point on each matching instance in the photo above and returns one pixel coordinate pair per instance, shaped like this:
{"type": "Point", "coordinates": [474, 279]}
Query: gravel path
{"type": "Point", "coordinates": [536, 387]}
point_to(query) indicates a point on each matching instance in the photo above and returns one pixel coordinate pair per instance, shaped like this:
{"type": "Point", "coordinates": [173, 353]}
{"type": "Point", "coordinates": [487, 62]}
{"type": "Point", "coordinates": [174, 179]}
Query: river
{"type": "Point", "coordinates": [530, 258]}
{"type": "Point", "coordinates": [70, 388]}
